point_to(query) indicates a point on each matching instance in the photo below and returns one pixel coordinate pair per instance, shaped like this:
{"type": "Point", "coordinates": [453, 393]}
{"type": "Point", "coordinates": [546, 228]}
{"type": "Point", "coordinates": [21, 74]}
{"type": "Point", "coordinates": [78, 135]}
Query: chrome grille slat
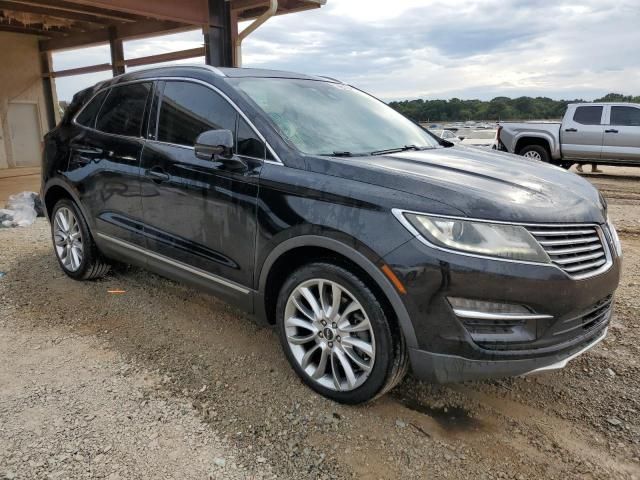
{"type": "Point", "coordinates": [569, 241]}
{"type": "Point", "coordinates": [566, 251]}
{"type": "Point", "coordinates": [553, 233]}
{"type": "Point", "coordinates": [579, 250]}
{"type": "Point", "coordinates": [587, 266]}
{"type": "Point", "coordinates": [581, 258]}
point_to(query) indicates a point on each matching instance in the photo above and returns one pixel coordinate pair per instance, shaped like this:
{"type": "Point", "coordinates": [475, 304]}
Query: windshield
{"type": "Point", "coordinates": [323, 118]}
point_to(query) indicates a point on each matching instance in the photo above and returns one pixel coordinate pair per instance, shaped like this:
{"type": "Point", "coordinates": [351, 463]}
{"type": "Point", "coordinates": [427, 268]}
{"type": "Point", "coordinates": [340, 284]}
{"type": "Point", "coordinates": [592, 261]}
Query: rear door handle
{"type": "Point", "coordinates": [611, 130]}
{"type": "Point", "coordinates": [570, 129]}
{"type": "Point", "coordinates": [158, 175]}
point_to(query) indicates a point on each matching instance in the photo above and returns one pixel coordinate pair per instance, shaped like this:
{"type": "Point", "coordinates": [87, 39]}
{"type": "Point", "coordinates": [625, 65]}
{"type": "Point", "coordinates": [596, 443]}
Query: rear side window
{"type": "Point", "coordinates": [87, 116]}
{"type": "Point", "coordinates": [588, 115]}
{"type": "Point", "coordinates": [625, 116]}
{"type": "Point", "coordinates": [123, 111]}
{"type": "Point", "coordinates": [188, 109]}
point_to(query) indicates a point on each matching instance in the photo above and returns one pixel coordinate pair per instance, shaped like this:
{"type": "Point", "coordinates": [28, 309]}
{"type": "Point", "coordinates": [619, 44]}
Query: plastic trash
{"type": "Point", "coordinates": [21, 210]}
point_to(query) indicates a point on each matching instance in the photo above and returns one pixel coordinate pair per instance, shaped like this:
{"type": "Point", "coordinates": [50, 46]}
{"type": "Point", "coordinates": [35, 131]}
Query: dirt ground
{"type": "Point", "coordinates": [163, 381]}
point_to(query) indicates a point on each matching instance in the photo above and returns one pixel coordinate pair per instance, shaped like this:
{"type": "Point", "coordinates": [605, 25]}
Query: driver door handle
{"type": "Point", "coordinates": [570, 129]}
{"type": "Point", "coordinates": [611, 130]}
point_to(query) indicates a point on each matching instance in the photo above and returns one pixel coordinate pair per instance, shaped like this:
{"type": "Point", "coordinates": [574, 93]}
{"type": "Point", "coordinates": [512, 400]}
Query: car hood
{"type": "Point", "coordinates": [489, 185]}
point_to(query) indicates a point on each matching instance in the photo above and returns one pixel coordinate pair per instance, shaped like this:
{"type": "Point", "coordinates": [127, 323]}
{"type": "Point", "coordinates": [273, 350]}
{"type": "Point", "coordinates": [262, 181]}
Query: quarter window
{"type": "Point", "coordinates": [188, 109]}
{"type": "Point", "coordinates": [625, 116]}
{"type": "Point", "coordinates": [248, 142]}
{"type": "Point", "coordinates": [88, 115]}
{"type": "Point", "coordinates": [588, 115]}
{"type": "Point", "coordinates": [123, 111]}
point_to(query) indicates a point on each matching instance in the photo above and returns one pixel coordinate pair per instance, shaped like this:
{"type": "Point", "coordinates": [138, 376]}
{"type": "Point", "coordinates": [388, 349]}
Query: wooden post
{"type": "Point", "coordinates": [217, 34]}
{"type": "Point", "coordinates": [50, 96]}
{"type": "Point", "coordinates": [117, 52]}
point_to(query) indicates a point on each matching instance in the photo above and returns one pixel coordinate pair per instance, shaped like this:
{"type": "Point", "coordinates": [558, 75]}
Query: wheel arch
{"type": "Point", "coordinates": [300, 250]}
{"type": "Point", "coordinates": [57, 189]}
{"type": "Point", "coordinates": [541, 140]}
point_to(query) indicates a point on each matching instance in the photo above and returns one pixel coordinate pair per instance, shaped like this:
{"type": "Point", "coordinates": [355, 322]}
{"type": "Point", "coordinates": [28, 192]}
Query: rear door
{"type": "Point", "coordinates": [105, 160]}
{"type": "Point", "coordinates": [582, 133]}
{"type": "Point", "coordinates": [622, 135]}
{"type": "Point", "coordinates": [200, 215]}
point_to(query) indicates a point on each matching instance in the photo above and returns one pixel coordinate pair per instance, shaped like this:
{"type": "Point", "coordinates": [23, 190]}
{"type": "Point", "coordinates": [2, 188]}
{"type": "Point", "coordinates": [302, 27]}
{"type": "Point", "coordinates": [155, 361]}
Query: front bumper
{"type": "Point", "coordinates": [445, 350]}
{"type": "Point", "coordinates": [439, 368]}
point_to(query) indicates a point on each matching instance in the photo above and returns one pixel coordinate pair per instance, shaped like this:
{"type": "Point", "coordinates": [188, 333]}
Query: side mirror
{"type": "Point", "coordinates": [214, 144]}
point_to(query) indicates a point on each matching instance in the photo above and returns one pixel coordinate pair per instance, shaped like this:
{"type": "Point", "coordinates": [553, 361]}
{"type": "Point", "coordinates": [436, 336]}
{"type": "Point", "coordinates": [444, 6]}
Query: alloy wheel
{"type": "Point", "coordinates": [67, 238]}
{"type": "Point", "coordinates": [329, 334]}
{"type": "Point", "coordinates": [533, 155]}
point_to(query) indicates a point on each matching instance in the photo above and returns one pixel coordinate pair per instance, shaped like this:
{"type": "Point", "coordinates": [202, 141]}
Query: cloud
{"type": "Point", "coordinates": [461, 48]}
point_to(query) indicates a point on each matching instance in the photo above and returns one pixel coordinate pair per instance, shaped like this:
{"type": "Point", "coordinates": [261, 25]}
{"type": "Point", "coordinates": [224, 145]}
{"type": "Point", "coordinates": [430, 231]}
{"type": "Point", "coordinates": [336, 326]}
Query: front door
{"type": "Point", "coordinates": [200, 215]}
{"type": "Point", "coordinates": [582, 134]}
{"type": "Point", "coordinates": [622, 135]}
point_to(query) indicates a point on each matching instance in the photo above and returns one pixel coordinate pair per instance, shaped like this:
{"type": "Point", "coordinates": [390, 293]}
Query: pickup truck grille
{"type": "Point", "coordinates": [579, 250]}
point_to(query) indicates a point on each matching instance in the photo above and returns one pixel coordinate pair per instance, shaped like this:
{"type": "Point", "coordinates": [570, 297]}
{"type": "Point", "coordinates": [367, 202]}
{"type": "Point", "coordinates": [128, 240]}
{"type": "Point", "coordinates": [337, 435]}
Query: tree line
{"type": "Point", "coordinates": [499, 108]}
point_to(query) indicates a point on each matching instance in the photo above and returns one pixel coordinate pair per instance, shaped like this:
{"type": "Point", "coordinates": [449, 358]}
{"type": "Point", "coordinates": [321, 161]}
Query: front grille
{"type": "Point", "coordinates": [579, 250]}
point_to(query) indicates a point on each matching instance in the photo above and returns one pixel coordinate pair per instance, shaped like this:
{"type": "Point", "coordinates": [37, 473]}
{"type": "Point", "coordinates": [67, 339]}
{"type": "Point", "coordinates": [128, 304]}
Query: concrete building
{"type": "Point", "coordinates": [31, 30]}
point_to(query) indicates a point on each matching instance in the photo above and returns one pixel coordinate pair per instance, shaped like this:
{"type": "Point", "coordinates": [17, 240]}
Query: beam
{"type": "Point", "coordinates": [52, 12]}
{"type": "Point", "coordinates": [125, 31]}
{"type": "Point", "coordinates": [117, 52]}
{"type": "Point", "coordinates": [166, 57]}
{"type": "Point", "coordinates": [33, 30]}
{"type": "Point", "coordinates": [49, 88]}
{"type": "Point", "coordinates": [217, 35]}
{"type": "Point", "coordinates": [79, 8]}
{"type": "Point", "coordinates": [103, 67]}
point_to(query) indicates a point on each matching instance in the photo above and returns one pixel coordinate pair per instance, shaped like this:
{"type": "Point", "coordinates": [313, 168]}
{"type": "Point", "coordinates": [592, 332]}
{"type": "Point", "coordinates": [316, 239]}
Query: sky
{"type": "Point", "coordinates": [406, 49]}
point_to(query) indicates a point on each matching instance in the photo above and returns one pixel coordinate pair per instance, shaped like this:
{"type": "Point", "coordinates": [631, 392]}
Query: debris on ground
{"type": "Point", "coordinates": [21, 210]}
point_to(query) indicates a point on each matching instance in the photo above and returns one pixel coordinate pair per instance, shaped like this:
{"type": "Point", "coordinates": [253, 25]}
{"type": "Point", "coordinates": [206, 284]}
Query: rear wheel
{"type": "Point", "coordinates": [73, 244]}
{"type": "Point", "coordinates": [536, 152]}
{"type": "Point", "coordinates": [336, 335]}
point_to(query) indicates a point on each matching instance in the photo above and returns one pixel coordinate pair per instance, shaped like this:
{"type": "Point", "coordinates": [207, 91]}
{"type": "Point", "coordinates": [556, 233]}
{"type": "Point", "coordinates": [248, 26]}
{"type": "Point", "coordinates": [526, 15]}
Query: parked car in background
{"type": "Point", "coordinates": [447, 135]}
{"type": "Point", "coordinates": [602, 133]}
{"type": "Point", "coordinates": [369, 243]}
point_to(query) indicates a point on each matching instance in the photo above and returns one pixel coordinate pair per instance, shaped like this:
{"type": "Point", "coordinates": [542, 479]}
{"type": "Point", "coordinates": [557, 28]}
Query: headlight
{"type": "Point", "coordinates": [511, 242]}
{"type": "Point", "coordinates": [614, 237]}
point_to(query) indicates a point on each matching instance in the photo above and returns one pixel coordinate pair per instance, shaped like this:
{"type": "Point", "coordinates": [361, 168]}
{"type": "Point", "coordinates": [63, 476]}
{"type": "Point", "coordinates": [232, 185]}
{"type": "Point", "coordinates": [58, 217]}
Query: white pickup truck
{"type": "Point", "coordinates": [603, 133]}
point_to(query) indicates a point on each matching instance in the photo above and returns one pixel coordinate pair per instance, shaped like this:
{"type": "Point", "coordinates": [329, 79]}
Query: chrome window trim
{"type": "Point", "coordinates": [399, 214]}
{"type": "Point", "coordinates": [277, 160]}
{"type": "Point", "coordinates": [175, 263]}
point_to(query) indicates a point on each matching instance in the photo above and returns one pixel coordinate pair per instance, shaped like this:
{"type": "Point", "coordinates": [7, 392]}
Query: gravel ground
{"type": "Point", "coordinates": [163, 381]}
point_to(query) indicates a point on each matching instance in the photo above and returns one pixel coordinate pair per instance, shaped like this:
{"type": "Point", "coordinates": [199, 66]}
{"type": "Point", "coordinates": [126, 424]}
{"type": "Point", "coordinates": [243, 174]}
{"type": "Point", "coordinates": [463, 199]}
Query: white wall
{"type": "Point", "coordinates": [20, 81]}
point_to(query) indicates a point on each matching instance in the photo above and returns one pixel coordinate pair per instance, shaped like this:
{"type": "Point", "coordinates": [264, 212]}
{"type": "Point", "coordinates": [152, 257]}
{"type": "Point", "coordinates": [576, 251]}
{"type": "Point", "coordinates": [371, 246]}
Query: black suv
{"type": "Point", "coordinates": [370, 243]}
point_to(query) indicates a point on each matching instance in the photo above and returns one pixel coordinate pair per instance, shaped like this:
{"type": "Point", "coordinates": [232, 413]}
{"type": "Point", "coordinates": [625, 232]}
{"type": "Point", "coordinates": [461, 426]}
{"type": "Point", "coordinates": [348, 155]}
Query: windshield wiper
{"type": "Point", "coordinates": [339, 154]}
{"type": "Point", "coordinates": [397, 150]}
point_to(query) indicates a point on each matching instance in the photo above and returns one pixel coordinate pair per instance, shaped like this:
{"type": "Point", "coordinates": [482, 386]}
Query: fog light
{"type": "Point", "coordinates": [492, 323]}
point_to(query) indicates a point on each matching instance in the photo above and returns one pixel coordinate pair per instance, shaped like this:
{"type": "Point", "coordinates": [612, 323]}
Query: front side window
{"type": "Point", "coordinates": [588, 115]}
{"type": "Point", "coordinates": [87, 116]}
{"type": "Point", "coordinates": [625, 116]}
{"type": "Point", "coordinates": [322, 118]}
{"type": "Point", "coordinates": [248, 142]}
{"type": "Point", "coordinates": [188, 109]}
{"type": "Point", "coordinates": [122, 112]}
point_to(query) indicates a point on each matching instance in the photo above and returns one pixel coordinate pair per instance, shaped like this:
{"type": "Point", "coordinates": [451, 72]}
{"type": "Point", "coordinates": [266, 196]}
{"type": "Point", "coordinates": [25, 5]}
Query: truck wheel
{"type": "Point", "coordinates": [535, 152]}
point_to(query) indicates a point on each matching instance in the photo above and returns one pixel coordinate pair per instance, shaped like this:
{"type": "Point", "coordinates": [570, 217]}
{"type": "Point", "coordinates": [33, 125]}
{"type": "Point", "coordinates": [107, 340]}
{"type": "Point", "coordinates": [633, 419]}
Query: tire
{"type": "Point", "coordinates": [361, 335]}
{"type": "Point", "coordinates": [77, 253]}
{"type": "Point", "coordinates": [536, 152]}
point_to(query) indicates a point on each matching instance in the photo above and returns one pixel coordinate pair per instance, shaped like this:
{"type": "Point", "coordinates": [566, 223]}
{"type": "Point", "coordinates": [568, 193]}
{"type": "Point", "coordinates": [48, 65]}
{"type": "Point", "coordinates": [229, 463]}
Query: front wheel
{"type": "Point", "coordinates": [336, 335]}
{"type": "Point", "coordinates": [536, 152]}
